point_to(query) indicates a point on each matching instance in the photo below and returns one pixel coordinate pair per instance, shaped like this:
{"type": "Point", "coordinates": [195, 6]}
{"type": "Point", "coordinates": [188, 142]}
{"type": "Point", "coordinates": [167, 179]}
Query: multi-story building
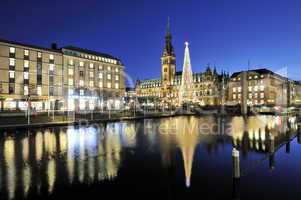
{"type": "Point", "coordinates": [207, 86]}
{"type": "Point", "coordinates": [51, 78]}
{"type": "Point", "coordinates": [262, 87]}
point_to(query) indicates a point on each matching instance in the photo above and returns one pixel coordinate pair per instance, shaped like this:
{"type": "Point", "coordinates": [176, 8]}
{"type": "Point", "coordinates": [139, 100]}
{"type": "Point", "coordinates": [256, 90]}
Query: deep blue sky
{"type": "Point", "coordinates": [226, 33]}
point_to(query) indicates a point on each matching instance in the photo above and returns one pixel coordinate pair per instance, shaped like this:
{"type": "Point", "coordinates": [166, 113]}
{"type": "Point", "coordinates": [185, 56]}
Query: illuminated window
{"type": "Point", "coordinates": [12, 62]}
{"type": "Point", "coordinates": [81, 63]}
{"type": "Point", "coordinates": [234, 89]}
{"type": "Point", "coordinates": [101, 84]}
{"type": "Point", "coordinates": [11, 74]}
{"type": "Point", "coordinates": [262, 95]}
{"type": "Point", "coordinates": [26, 75]}
{"type": "Point", "coordinates": [51, 57]}
{"type": "Point", "coordinates": [250, 88]}
{"type": "Point", "coordinates": [39, 55]}
{"type": "Point", "coordinates": [109, 68]}
{"type": "Point", "coordinates": [255, 76]}
{"type": "Point", "coordinates": [81, 83]}
{"type": "Point", "coordinates": [261, 101]}
{"type": "Point", "coordinates": [91, 83]}
{"type": "Point", "coordinates": [262, 88]}
{"type": "Point", "coordinates": [109, 76]}
{"type": "Point", "coordinates": [250, 95]}
{"type": "Point", "coordinates": [12, 50]}
{"type": "Point", "coordinates": [71, 62]}
{"type": "Point", "coordinates": [39, 90]}
{"type": "Point", "coordinates": [70, 81]}
{"type": "Point", "coordinates": [91, 74]}
{"type": "Point", "coordinates": [250, 77]}
{"type": "Point", "coordinates": [116, 77]}
{"type": "Point", "coordinates": [100, 67]}
{"type": "Point", "coordinates": [51, 67]}
{"type": "Point", "coordinates": [70, 71]}
{"type": "Point", "coordinates": [25, 90]}
{"type": "Point", "coordinates": [26, 63]}
{"type": "Point", "coordinates": [239, 89]}
{"type": "Point", "coordinates": [116, 69]}
{"type": "Point", "coordinates": [262, 76]}
{"type": "Point", "coordinates": [234, 96]}
{"type": "Point", "coordinates": [109, 85]}
{"type": "Point", "coordinates": [239, 96]}
{"type": "Point", "coordinates": [100, 75]}
{"type": "Point", "coordinates": [91, 65]}
{"type": "Point", "coordinates": [256, 88]}
{"type": "Point", "coordinates": [256, 95]}
{"type": "Point", "coordinates": [116, 85]}
{"type": "Point", "coordinates": [26, 52]}
{"type": "Point", "coordinates": [256, 102]}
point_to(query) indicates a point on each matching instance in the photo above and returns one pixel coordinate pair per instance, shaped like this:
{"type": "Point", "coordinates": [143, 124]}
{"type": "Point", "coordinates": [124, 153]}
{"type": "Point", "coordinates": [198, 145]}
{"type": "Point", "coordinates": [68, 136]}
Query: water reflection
{"type": "Point", "coordinates": [36, 162]}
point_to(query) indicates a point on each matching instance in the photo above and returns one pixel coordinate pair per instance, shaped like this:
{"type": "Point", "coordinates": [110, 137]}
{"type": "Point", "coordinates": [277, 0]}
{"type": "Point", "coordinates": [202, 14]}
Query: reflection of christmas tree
{"type": "Point", "coordinates": [186, 89]}
{"type": "Point", "coordinates": [187, 139]}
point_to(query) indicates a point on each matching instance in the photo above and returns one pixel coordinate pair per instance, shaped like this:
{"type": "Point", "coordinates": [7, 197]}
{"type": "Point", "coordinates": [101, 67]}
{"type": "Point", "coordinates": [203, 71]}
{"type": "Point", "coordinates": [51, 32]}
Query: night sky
{"type": "Point", "coordinates": [225, 33]}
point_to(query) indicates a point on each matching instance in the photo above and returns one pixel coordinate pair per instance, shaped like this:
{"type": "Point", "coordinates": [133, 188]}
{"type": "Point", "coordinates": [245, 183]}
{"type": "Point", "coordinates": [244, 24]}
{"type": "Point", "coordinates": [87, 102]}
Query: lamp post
{"type": "Point", "coordinates": [28, 109]}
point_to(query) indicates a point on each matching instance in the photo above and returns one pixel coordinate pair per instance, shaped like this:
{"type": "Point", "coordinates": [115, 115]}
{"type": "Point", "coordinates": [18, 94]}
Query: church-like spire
{"type": "Point", "coordinates": [168, 49]}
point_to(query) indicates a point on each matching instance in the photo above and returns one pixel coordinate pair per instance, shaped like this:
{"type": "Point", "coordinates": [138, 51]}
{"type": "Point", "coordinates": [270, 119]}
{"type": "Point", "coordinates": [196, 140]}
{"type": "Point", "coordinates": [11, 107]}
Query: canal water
{"type": "Point", "coordinates": [170, 158]}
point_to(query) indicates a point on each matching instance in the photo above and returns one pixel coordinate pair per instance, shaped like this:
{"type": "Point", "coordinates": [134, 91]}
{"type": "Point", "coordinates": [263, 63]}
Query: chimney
{"type": "Point", "coordinates": [54, 46]}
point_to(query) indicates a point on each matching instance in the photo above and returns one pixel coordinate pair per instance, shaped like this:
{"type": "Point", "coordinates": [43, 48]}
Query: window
{"type": "Point", "coordinates": [12, 50]}
{"type": "Point", "coordinates": [71, 62]}
{"type": "Point", "coordinates": [70, 91]}
{"type": "Point", "coordinates": [256, 95]}
{"type": "Point", "coordinates": [116, 69]}
{"type": "Point", "coordinates": [39, 55]}
{"type": "Point", "coordinates": [26, 75]}
{"type": "Point", "coordinates": [12, 62]}
{"type": "Point", "coordinates": [81, 73]}
{"type": "Point", "coordinates": [39, 90]}
{"type": "Point", "coordinates": [261, 101]}
{"type": "Point", "coordinates": [81, 63]}
{"type": "Point", "coordinates": [91, 83]}
{"type": "Point", "coordinates": [51, 67]}
{"type": "Point", "coordinates": [70, 71]}
{"type": "Point", "coordinates": [262, 76]}
{"type": "Point", "coordinates": [91, 74]}
{"type": "Point", "coordinates": [109, 76]}
{"type": "Point", "coordinates": [70, 81]}
{"type": "Point", "coordinates": [100, 67]}
{"type": "Point", "coordinates": [250, 77]}
{"type": "Point", "coordinates": [81, 92]}
{"type": "Point", "coordinates": [234, 96]}
{"type": "Point", "coordinates": [51, 57]}
{"type": "Point", "coordinates": [109, 85]}
{"type": "Point", "coordinates": [109, 68]}
{"type": "Point", "coordinates": [250, 95]}
{"type": "Point", "coordinates": [116, 77]}
{"type": "Point", "coordinates": [25, 90]}
{"type": "Point", "coordinates": [26, 52]}
{"type": "Point", "coordinates": [91, 65]}
{"type": "Point", "coordinates": [234, 89]}
{"type": "Point", "coordinates": [262, 88]}
{"type": "Point", "coordinates": [100, 84]}
{"type": "Point", "coordinates": [11, 74]}
{"type": "Point", "coordinates": [26, 63]}
{"type": "Point", "coordinates": [116, 85]}
{"type": "Point", "coordinates": [256, 88]}
{"type": "Point", "coordinates": [250, 88]}
{"type": "Point", "coordinates": [239, 96]}
{"type": "Point", "coordinates": [165, 69]}
{"type": "Point", "coordinates": [81, 83]}
{"type": "Point", "coordinates": [262, 95]}
{"type": "Point", "coordinates": [100, 75]}
{"type": "Point", "coordinates": [239, 89]}
{"type": "Point", "coordinates": [255, 76]}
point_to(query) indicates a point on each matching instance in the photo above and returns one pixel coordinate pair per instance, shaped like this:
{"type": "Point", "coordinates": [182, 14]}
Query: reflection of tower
{"type": "Point", "coordinates": [186, 90]}
{"type": "Point", "coordinates": [168, 61]}
{"type": "Point", "coordinates": [187, 138]}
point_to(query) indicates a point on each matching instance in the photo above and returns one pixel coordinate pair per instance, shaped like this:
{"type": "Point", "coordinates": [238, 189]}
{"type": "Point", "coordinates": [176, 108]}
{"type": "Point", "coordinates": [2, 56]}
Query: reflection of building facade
{"type": "Point", "coordinates": [206, 86]}
{"type": "Point", "coordinates": [263, 87]}
{"type": "Point", "coordinates": [55, 78]}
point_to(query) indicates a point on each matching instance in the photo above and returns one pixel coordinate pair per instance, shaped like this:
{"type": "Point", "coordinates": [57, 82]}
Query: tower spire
{"type": "Point", "coordinates": [168, 27]}
{"type": "Point", "coordinates": [168, 49]}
